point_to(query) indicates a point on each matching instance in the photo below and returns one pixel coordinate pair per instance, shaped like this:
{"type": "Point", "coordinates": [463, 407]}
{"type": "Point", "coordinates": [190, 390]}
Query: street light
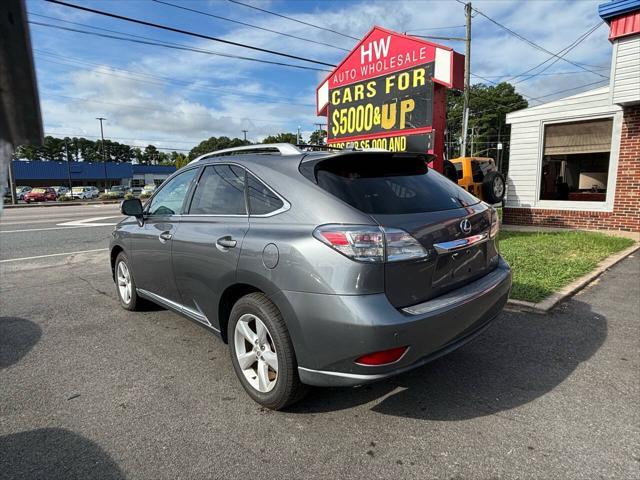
{"type": "Point", "coordinates": [104, 158]}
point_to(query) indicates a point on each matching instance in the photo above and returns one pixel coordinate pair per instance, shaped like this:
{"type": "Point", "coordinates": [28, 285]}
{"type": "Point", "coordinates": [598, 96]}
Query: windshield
{"type": "Point", "coordinates": [116, 189]}
{"type": "Point", "coordinates": [78, 189]}
{"type": "Point", "coordinates": [38, 190]}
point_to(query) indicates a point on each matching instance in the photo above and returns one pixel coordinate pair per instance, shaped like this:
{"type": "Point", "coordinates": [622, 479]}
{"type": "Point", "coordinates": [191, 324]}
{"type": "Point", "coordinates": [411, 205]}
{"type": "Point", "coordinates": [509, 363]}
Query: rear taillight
{"type": "Point", "coordinates": [384, 357]}
{"type": "Point", "coordinates": [495, 223]}
{"type": "Point", "coordinates": [371, 244]}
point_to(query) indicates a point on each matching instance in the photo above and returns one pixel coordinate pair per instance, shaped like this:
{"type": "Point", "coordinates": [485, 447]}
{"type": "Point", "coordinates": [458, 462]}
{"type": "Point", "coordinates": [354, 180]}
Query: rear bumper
{"type": "Point", "coordinates": [331, 331]}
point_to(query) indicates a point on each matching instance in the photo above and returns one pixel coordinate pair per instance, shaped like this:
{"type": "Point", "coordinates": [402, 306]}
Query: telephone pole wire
{"type": "Point", "coordinates": [467, 78]}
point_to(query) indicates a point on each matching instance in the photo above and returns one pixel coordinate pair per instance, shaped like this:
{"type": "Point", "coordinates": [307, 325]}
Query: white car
{"type": "Point", "coordinates": [83, 193]}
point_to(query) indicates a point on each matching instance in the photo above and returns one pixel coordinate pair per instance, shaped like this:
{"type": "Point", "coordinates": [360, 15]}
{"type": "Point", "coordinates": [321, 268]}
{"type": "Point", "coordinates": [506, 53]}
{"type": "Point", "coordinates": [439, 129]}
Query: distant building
{"type": "Point", "coordinates": [41, 174]}
{"type": "Point", "coordinates": [575, 162]}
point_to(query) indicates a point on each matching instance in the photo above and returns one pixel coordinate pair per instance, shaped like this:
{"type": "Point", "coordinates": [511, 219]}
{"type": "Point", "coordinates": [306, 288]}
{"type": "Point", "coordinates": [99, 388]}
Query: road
{"type": "Point", "coordinates": [92, 391]}
{"type": "Point", "coordinates": [35, 231]}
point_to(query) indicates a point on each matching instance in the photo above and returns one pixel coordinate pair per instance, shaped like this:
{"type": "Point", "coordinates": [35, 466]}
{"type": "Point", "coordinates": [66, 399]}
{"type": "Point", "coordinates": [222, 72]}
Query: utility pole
{"type": "Point", "coordinates": [245, 135]}
{"type": "Point", "coordinates": [467, 79]}
{"type": "Point", "coordinates": [319, 125]}
{"type": "Point", "coordinates": [298, 136]}
{"type": "Point", "coordinates": [66, 152]}
{"type": "Point", "coordinates": [12, 180]}
{"type": "Point", "coordinates": [104, 158]}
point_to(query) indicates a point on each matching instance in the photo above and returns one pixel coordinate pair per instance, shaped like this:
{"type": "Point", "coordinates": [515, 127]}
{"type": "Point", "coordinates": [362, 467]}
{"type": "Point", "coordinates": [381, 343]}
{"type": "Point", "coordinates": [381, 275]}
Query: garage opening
{"type": "Point", "coordinates": [575, 161]}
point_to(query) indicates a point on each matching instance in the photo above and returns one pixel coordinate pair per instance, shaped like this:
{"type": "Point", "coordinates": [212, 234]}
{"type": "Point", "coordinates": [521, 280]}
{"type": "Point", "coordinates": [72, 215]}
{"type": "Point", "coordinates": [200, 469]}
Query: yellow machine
{"type": "Point", "coordinates": [480, 177]}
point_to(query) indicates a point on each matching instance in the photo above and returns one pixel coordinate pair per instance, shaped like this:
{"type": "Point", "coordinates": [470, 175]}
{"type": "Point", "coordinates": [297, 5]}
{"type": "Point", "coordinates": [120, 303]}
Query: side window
{"type": "Point", "coordinates": [262, 200]}
{"type": "Point", "coordinates": [220, 191]}
{"type": "Point", "coordinates": [168, 201]}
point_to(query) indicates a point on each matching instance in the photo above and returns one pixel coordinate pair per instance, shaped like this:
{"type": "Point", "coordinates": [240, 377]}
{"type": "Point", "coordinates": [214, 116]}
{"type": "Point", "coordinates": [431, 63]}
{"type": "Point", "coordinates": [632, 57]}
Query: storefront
{"type": "Point", "coordinates": [575, 162]}
{"type": "Point", "coordinates": [44, 174]}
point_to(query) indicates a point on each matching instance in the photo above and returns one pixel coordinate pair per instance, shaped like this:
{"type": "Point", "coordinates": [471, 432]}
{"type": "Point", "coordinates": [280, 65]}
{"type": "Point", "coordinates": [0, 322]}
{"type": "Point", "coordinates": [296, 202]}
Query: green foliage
{"type": "Point", "coordinates": [77, 149]}
{"type": "Point", "coordinates": [318, 137]}
{"type": "Point", "coordinates": [64, 198]}
{"type": "Point", "coordinates": [128, 196]}
{"type": "Point", "coordinates": [282, 138]}
{"type": "Point", "coordinates": [144, 195]}
{"type": "Point", "coordinates": [488, 106]}
{"type": "Point", "coordinates": [542, 263]}
{"type": "Point", "coordinates": [215, 143]}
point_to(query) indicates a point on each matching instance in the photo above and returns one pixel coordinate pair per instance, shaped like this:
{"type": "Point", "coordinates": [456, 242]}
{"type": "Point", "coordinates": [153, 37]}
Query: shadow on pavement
{"type": "Point", "coordinates": [518, 359]}
{"type": "Point", "coordinates": [17, 337]}
{"type": "Point", "coordinates": [54, 453]}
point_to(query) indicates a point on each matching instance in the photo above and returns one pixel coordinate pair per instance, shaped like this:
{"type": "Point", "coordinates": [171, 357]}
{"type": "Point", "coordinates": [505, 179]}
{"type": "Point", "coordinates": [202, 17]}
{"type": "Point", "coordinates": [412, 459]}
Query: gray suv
{"type": "Point", "coordinates": [331, 268]}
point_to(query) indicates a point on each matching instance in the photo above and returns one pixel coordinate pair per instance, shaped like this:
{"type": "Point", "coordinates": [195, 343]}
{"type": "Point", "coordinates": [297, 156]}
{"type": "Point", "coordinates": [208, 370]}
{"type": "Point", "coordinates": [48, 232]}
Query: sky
{"type": "Point", "coordinates": [174, 98]}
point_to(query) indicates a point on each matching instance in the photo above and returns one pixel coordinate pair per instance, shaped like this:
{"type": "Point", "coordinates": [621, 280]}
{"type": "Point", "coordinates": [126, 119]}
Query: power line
{"type": "Point", "coordinates": [529, 42]}
{"type": "Point", "coordinates": [573, 72]}
{"type": "Point", "coordinates": [187, 32]}
{"type": "Point", "coordinates": [248, 25]}
{"type": "Point", "coordinates": [572, 88]}
{"type": "Point", "coordinates": [70, 61]}
{"type": "Point", "coordinates": [562, 53]}
{"type": "Point", "coordinates": [294, 19]}
{"type": "Point", "coordinates": [175, 46]}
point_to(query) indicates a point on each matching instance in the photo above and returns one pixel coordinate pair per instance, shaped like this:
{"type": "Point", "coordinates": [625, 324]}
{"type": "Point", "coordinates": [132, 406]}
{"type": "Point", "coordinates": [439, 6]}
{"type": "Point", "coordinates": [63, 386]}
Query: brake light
{"type": "Point", "coordinates": [495, 223]}
{"type": "Point", "coordinates": [371, 244]}
{"type": "Point", "coordinates": [384, 357]}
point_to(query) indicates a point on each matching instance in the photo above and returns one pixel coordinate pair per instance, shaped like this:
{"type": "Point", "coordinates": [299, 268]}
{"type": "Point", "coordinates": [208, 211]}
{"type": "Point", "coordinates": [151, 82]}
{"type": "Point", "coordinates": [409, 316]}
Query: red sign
{"type": "Point", "coordinates": [389, 87]}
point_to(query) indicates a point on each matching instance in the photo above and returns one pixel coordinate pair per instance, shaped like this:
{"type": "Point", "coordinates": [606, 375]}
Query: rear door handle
{"type": "Point", "coordinates": [164, 237]}
{"type": "Point", "coordinates": [226, 242]}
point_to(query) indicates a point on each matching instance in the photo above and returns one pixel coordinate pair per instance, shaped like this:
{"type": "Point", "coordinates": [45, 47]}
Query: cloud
{"type": "Point", "coordinates": [222, 96]}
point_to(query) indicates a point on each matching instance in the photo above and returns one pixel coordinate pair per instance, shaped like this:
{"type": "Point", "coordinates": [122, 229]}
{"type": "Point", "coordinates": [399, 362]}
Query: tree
{"type": "Point", "coordinates": [178, 159]}
{"type": "Point", "coordinates": [282, 138]}
{"type": "Point", "coordinates": [215, 143]}
{"type": "Point", "coordinates": [318, 137]}
{"type": "Point", "coordinates": [151, 154]}
{"type": "Point", "coordinates": [488, 107]}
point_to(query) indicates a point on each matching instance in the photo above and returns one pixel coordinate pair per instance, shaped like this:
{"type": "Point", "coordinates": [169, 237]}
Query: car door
{"type": "Point", "coordinates": [207, 245]}
{"type": "Point", "coordinates": [151, 243]}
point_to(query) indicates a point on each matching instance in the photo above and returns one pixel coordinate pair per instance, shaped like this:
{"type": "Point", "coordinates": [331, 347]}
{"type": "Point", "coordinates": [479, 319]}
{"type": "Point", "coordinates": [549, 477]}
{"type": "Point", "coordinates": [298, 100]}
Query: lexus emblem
{"type": "Point", "coordinates": [465, 226]}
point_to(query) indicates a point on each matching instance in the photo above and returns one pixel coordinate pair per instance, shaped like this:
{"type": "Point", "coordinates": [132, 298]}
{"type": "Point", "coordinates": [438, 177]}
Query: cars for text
{"type": "Point", "coordinates": [317, 268]}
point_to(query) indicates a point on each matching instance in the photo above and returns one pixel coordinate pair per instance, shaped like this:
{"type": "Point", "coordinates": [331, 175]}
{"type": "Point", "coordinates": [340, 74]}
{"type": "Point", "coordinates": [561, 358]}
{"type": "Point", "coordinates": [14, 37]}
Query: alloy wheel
{"type": "Point", "coordinates": [256, 353]}
{"type": "Point", "coordinates": [123, 278]}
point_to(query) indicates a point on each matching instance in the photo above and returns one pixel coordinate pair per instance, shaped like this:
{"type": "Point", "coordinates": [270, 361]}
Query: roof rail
{"type": "Point", "coordinates": [261, 149]}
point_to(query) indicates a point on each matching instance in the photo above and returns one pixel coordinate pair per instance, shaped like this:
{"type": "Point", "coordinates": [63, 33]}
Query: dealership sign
{"type": "Point", "coordinates": [389, 92]}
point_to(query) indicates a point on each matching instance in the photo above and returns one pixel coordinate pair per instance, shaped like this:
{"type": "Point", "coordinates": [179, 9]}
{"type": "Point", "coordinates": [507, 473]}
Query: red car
{"type": "Point", "coordinates": [40, 194]}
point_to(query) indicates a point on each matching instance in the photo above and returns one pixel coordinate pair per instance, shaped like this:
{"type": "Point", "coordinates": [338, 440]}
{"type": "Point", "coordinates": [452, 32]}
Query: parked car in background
{"type": "Point", "coordinates": [147, 190]}
{"type": "Point", "coordinates": [117, 191]}
{"type": "Point", "coordinates": [83, 193]}
{"type": "Point", "coordinates": [40, 194]}
{"type": "Point", "coordinates": [20, 192]}
{"type": "Point", "coordinates": [60, 190]}
{"type": "Point", "coordinates": [480, 177]}
{"type": "Point", "coordinates": [318, 268]}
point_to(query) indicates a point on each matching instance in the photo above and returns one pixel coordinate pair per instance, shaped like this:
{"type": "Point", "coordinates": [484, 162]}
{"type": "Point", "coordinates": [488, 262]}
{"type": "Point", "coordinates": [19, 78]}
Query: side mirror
{"type": "Point", "coordinates": [132, 208]}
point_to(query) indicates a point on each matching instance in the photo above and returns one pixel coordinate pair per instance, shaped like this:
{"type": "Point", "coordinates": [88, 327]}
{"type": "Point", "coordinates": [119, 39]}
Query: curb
{"type": "Point", "coordinates": [61, 204]}
{"type": "Point", "coordinates": [551, 301]}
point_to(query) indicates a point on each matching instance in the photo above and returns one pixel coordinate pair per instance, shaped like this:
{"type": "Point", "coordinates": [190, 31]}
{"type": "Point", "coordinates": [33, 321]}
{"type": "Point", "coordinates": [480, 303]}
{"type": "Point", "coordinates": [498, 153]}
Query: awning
{"type": "Point", "coordinates": [578, 137]}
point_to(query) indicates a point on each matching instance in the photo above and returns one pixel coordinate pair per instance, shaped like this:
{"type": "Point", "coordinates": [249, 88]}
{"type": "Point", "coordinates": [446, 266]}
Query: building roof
{"type": "Point", "coordinates": [82, 170]}
{"type": "Point", "coordinates": [615, 8]}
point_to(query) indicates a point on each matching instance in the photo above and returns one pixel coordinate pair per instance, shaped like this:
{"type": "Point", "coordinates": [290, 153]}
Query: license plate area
{"type": "Point", "coordinates": [455, 267]}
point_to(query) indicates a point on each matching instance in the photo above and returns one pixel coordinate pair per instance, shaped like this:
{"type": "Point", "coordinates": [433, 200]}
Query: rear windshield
{"type": "Point", "coordinates": [387, 185]}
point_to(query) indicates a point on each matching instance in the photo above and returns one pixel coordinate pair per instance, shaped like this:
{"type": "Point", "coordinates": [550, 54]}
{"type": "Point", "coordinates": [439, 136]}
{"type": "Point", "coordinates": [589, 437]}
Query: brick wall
{"type": "Point", "coordinates": [626, 204]}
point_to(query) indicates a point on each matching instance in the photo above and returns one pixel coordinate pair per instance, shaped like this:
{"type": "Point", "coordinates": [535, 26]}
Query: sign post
{"type": "Point", "coordinates": [390, 92]}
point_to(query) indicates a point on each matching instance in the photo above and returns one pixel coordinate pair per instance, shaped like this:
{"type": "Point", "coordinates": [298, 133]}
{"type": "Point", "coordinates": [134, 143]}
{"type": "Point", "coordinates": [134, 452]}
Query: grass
{"type": "Point", "coordinates": [542, 263]}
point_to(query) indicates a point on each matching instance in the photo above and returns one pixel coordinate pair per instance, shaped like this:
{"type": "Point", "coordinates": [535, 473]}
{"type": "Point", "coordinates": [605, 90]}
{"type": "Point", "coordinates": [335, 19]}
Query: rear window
{"type": "Point", "coordinates": [388, 185]}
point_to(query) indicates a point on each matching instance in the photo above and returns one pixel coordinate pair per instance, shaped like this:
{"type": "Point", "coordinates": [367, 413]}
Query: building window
{"type": "Point", "coordinates": [137, 182]}
{"type": "Point", "coordinates": [575, 162]}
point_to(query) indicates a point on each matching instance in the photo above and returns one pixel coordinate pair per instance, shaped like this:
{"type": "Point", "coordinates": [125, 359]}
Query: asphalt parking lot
{"type": "Point", "coordinates": [88, 390]}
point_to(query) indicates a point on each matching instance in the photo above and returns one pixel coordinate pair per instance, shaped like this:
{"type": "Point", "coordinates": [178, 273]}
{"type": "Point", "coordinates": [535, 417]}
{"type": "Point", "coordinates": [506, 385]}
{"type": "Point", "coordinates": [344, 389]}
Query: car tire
{"type": "Point", "coordinates": [493, 188]}
{"type": "Point", "coordinates": [123, 273]}
{"type": "Point", "coordinates": [274, 389]}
